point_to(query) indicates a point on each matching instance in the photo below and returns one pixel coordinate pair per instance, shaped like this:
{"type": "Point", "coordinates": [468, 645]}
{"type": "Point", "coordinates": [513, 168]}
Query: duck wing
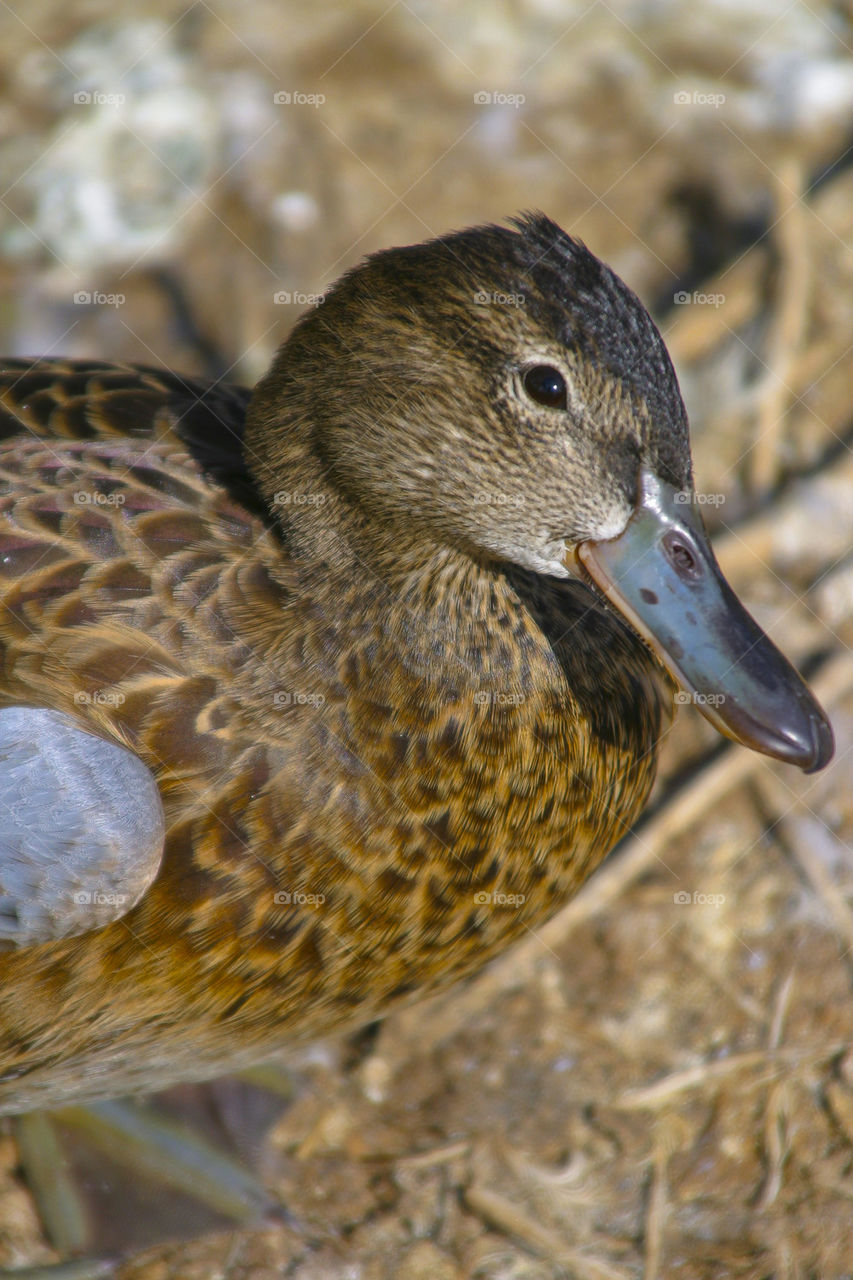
{"type": "Point", "coordinates": [81, 828]}
{"type": "Point", "coordinates": [93, 400]}
{"type": "Point", "coordinates": [133, 600]}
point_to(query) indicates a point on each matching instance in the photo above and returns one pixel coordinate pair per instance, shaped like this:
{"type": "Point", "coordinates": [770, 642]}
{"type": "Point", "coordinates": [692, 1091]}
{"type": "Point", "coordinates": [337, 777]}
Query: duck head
{"type": "Point", "coordinates": [500, 394]}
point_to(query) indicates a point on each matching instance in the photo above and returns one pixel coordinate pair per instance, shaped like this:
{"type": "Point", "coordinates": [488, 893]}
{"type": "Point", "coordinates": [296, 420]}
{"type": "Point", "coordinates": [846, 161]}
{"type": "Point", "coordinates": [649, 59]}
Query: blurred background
{"type": "Point", "coordinates": [655, 1085]}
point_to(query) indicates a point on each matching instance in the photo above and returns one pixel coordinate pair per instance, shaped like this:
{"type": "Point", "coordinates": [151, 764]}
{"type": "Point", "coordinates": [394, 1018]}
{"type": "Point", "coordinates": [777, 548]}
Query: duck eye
{"type": "Point", "coordinates": [546, 385]}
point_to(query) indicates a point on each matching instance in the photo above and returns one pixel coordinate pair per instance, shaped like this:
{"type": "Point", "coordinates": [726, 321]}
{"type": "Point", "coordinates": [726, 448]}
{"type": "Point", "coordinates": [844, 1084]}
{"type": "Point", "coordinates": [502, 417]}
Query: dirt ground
{"type": "Point", "coordinates": [660, 1082]}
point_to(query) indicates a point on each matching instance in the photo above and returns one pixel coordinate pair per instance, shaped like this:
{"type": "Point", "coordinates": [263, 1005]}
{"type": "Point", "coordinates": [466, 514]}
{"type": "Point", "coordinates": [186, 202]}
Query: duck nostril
{"type": "Point", "coordinates": [682, 556]}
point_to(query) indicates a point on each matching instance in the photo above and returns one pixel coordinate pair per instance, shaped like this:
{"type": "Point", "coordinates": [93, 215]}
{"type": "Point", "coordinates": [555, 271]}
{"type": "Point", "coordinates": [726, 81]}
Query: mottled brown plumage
{"type": "Point", "coordinates": [329, 639]}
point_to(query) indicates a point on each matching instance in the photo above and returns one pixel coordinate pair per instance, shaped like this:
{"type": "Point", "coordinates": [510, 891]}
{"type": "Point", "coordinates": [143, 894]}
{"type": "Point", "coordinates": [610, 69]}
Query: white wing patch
{"type": "Point", "coordinates": [81, 828]}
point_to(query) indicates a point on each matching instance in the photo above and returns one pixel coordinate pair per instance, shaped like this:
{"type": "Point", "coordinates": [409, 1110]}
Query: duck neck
{"type": "Point", "coordinates": [337, 540]}
{"type": "Point", "coordinates": [451, 614]}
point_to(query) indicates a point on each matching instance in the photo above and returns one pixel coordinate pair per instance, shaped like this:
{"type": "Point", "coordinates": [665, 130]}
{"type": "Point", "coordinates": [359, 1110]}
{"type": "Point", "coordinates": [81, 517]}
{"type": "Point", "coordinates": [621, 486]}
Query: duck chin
{"type": "Point", "coordinates": [554, 568]}
{"type": "Point", "coordinates": [549, 559]}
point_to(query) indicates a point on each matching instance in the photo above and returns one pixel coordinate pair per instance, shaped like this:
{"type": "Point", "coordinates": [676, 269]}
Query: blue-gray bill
{"type": "Point", "coordinates": [661, 575]}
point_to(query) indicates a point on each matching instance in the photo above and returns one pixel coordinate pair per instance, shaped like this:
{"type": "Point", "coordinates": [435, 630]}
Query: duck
{"type": "Point", "coordinates": [314, 698]}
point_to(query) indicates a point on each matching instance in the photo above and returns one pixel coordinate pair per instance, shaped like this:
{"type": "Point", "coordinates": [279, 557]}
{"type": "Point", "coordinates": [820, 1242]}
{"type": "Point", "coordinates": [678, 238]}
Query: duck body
{"type": "Point", "coordinates": [289, 764]}
{"type": "Point", "coordinates": [382, 753]}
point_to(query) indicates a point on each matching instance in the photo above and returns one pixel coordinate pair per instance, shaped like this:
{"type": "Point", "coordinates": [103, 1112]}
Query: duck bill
{"type": "Point", "coordinates": [661, 575]}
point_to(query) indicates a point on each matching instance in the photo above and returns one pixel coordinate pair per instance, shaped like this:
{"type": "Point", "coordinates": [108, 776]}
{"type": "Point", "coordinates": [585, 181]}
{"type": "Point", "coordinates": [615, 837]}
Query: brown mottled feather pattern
{"type": "Point", "coordinates": [396, 749]}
